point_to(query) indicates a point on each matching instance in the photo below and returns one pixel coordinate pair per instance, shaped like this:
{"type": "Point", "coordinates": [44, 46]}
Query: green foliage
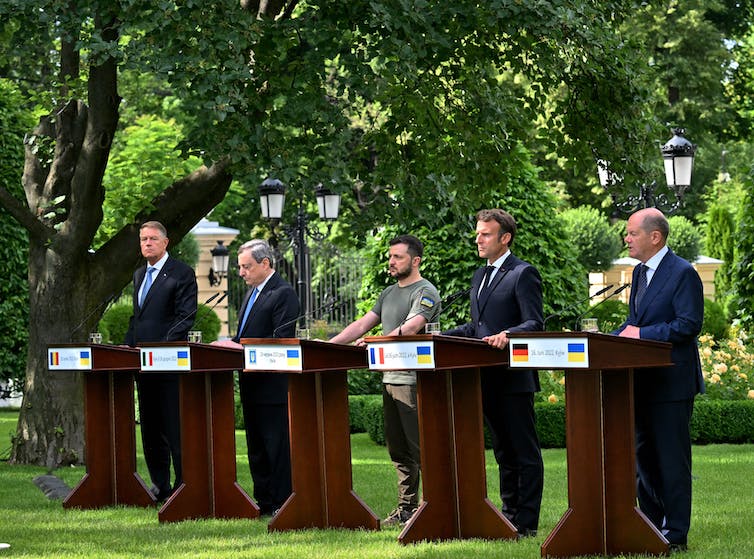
{"type": "Point", "coordinates": [743, 275]}
{"type": "Point", "coordinates": [715, 322]}
{"type": "Point", "coordinates": [14, 287]}
{"type": "Point", "coordinates": [550, 424]}
{"type": "Point", "coordinates": [207, 322]}
{"type": "Point", "coordinates": [610, 314]}
{"type": "Point", "coordinates": [727, 366]}
{"type": "Point", "coordinates": [597, 242]}
{"type": "Point", "coordinates": [364, 381]}
{"type": "Point", "coordinates": [187, 251]}
{"type": "Point", "coordinates": [684, 238]}
{"type": "Point", "coordinates": [143, 162]}
{"type": "Point", "coordinates": [719, 244]}
{"type": "Point", "coordinates": [114, 323]}
{"type": "Point", "coordinates": [722, 421]}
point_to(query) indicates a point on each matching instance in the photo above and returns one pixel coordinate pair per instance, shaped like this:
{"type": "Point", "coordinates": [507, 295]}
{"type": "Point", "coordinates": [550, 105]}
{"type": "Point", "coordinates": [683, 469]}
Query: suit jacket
{"type": "Point", "coordinates": [272, 316]}
{"type": "Point", "coordinates": [672, 310]}
{"type": "Point", "coordinates": [513, 301]}
{"type": "Point", "coordinates": [169, 307]}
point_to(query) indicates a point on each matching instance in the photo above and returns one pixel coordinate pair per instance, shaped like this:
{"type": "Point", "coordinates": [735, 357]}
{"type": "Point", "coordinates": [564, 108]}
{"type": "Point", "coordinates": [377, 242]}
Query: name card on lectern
{"type": "Point", "coordinates": [387, 356]}
{"type": "Point", "coordinates": [272, 358]}
{"type": "Point", "coordinates": [69, 359]}
{"type": "Point", "coordinates": [169, 358]}
{"type": "Point", "coordinates": [549, 353]}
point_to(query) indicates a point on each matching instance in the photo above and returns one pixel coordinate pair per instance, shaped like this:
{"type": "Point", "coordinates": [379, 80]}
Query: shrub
{"type": "Point", "coordinates": [715, 323]}
{"type": "Point", "coordinates": [610, 314]}
{"type": "Point", "coordinates": [364, 381]}
{"type": "Point", "coordinates": [597, 242]}
{"type": "Point", "coordinates": [114, 323]}
{"type": "Point", "coordinates": [208, 323]}
{"type": "Point", "coordinates": [684, 238]}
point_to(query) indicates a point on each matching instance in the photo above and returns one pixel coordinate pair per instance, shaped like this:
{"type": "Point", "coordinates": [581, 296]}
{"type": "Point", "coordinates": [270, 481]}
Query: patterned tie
{"type": "Point", "coordinates": [488, 271]}
{"type": "Point", "coordinates": [248, 309]}
{"type": "Point", "coordinates": [147, 285]}
{"type": "Point", "coordinates": [641, 286]}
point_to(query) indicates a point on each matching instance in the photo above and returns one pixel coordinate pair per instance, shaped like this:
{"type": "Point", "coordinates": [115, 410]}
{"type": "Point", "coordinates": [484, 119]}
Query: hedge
{"type": "Point", "coordinates": [713, 421]}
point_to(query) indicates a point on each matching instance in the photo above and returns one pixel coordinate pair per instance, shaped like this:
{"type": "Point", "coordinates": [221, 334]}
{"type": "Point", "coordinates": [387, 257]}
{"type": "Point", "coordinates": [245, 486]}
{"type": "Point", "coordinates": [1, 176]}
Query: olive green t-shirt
{"type": "Point", "coordinates": [396, 305]}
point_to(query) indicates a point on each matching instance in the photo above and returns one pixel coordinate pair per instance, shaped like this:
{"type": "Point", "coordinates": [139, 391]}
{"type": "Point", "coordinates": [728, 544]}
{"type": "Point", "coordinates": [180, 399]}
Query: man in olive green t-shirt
{"type": "Point", "coordinates": [403, 308]}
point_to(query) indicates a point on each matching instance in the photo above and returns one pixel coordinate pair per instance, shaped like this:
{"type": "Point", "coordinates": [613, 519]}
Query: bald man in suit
{"type": "Point", "coordinates": [667, 305]}
{"type": "Point", "coordinates": [164, 306]}
{"type": "Point", "coordinates": [506, 296]}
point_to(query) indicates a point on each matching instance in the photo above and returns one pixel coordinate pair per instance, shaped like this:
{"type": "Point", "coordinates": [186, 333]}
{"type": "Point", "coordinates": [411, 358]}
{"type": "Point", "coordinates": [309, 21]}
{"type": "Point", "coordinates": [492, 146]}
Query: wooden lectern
{"type": "Point", "coordinates": [323, 495]}
{"type": "Point", "coordinates": [454, 482]}
{"type": "Point", "coordinates": [602, 517]}
{"type": "Point", "coordinates": [109, 428]}
{"type": "Point", "coordinates": [208, 440]}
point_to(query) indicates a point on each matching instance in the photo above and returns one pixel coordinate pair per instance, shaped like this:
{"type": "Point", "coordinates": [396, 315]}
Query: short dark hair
{"type": "Point", "coordinates": [415, 246]}
{"type": "Point", "coordinates": [506, 221]}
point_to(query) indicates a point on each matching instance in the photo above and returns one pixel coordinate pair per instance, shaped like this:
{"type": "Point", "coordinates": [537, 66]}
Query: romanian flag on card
{"type": "Point", "coordinates": [84, 357]}
{"type": "Point", "coordinates": [377, 357]}
{"type": "Point", "coordinates": [54, 358]}
{"type": "Point", "coordinates": [183, 358]}
{"type": "Point", "coordinates": [294, 357]}
{"type": "Point", "coordinates": [520, 353]}
{"type": "Point", "coordinates": [424, 354]}
{"type": "Point", "coordinates": [576, 353]}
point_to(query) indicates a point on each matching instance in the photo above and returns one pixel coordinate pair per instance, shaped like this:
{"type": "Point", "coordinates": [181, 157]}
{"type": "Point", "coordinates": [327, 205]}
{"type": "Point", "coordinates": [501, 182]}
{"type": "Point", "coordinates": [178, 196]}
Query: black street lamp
{"type": "Point", "coordinates": [678, 157]}
{"type": "Point", "coordinates": [272, 200]}
{"type": "Point", "coordinates": [219, 268]}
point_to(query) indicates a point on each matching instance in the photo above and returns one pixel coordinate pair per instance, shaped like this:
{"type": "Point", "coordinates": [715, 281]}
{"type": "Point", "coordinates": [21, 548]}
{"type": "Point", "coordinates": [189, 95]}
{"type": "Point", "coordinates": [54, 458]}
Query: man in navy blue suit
{"type": "Point", "coordinates": [164, 308]}
{"type": "Point", "coordinates": [506, 296]}
{"type": "Point", "coordinates": [269, 310]}
{"type": "Point", "coordinates": [666, 304]}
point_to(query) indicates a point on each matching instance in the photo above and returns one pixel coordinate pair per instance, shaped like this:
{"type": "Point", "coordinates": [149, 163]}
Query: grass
{"type": "Point", "coordinates": [36, 527]}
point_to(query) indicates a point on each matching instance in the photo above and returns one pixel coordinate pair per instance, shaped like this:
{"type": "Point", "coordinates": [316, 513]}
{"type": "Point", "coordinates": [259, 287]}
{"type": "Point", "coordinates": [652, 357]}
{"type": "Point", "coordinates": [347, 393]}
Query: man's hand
{"type": "Point", "coordinates": [498, 340]}
{"type": "Point", "coordinates": [631, 332]}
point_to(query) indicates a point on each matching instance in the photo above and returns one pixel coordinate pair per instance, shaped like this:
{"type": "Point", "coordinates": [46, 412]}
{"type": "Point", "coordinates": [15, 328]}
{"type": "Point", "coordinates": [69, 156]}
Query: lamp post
{"type": "Point", "coordinates": [272, 201]}
{"type": "Point", "coordinates": [219, 268]}
{"type": "Point", "coordinates": [678, 157]}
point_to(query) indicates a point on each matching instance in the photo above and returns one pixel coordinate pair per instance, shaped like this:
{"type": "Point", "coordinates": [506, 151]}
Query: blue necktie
{"type": "Point", "coordinates": [147, 285]}
{"type": "Point", "coordinates": [641, 286]}
{"type": "Point", "coordinates": [248, 309]}
{"type": "Point", "coordinates": [488, 271]}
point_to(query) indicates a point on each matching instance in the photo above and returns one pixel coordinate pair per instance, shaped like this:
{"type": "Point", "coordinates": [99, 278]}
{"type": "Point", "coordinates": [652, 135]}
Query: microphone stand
{"type": "Point", "coordinates": [590, 309]}
{"type": "Point", "coordinates": [574, 305]}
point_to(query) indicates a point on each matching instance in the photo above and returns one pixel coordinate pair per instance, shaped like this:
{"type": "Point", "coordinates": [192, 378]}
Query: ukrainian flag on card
{"type": "Point", "coordinates": [84, 358]}
{"type": "Point", "coordinates": [423, 354]}
{"type": "Point", "coordinates": [183, 359]}
{"type": "Point", "coordinates": [294, 357]}
{"type": "Point", "coordinates": [576, 353]}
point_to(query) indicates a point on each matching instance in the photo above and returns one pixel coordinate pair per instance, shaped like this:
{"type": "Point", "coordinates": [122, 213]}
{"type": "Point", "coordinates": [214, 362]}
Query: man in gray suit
{"type": "Point", "coordinates": [164, 306]}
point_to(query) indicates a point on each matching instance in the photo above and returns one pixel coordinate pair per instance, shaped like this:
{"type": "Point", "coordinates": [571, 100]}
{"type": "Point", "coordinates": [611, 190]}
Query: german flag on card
{"type": "Point", "coordinates": [520, 353]}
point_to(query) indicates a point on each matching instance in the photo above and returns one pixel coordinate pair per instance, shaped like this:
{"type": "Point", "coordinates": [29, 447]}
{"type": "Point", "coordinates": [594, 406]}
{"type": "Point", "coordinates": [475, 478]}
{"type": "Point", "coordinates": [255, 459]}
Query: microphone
{"type": "Point", "coordinates": [453, 297]}
{"type": "Point", "coordinates": [574, 305]}
{"type": "Point", "coordinates": [192, 313]}
{"type": "Point", "coordinates": [102, 306]}
{"type": "Point", "coordinates": [613, 294]}
{"type": "Point", "coordinates": [325, 308]}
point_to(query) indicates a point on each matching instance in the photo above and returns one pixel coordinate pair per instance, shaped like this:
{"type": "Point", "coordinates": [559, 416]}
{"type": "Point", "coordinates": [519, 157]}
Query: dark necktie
{"type": "Point", "coordinates": [488, 271]}
{"type": "Point", "coordinates": [641, 284]}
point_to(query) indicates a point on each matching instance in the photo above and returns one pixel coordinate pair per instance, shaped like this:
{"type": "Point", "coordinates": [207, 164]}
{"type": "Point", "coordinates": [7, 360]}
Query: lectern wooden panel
{"type": "Point", "coordinates": [208, 445]}
{"type": "Point", "coordinates": [323, 495]}
{"type": "Point", "coordinates": [109, 428]}
{"type": "Point", "coordinates": [602, 516]}
{"type": "Point", "coordinates": [454, 487]}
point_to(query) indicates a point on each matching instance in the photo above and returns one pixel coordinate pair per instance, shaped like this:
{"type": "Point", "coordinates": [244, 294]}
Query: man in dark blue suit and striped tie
{"type": "Point", "coordinates": [666, 304]}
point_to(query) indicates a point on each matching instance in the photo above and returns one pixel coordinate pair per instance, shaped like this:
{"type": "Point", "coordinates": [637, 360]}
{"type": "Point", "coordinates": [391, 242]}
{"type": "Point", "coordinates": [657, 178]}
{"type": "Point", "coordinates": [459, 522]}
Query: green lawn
{"type": "Point", "coordinates": [37, 527]}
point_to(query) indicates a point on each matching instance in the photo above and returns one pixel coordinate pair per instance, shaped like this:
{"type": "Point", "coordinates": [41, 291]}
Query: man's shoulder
{"type": "Point", "coordinates": [178, 265]}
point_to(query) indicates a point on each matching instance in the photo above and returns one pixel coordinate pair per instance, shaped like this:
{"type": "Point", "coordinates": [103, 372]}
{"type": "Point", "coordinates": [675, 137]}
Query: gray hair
{"type": "Point", "coordinates": [259, 250]}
